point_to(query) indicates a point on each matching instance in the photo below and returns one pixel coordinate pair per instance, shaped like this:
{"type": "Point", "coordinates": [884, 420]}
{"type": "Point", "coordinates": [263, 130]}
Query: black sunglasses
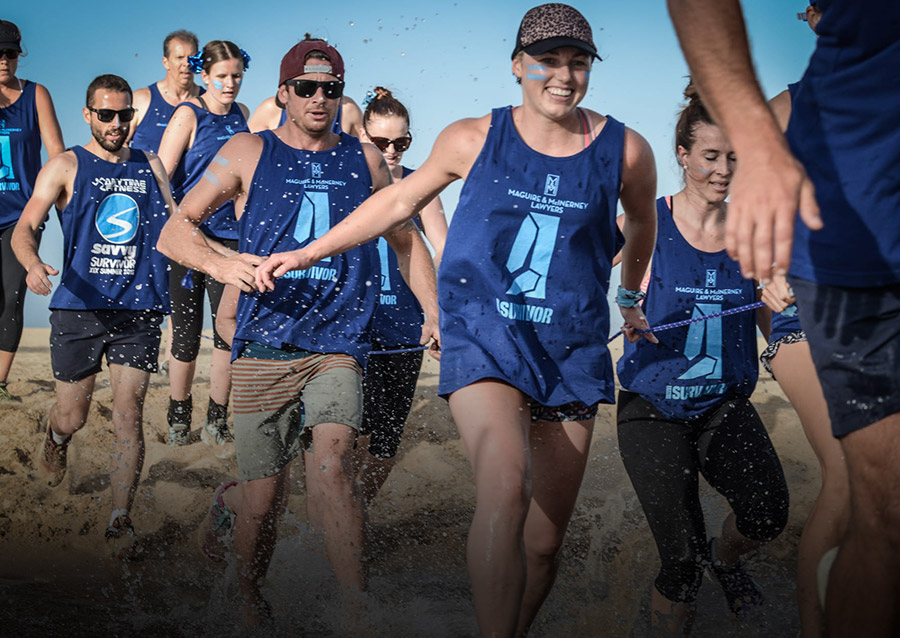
{"type": "Point", "coordinates": [307, 88]}
{"type": "Point", "coordinates": [107, 115]}
{"type": "Point", "coordinates": [11, 54]}
{"type": "Point", "coordinates": [400, 143]}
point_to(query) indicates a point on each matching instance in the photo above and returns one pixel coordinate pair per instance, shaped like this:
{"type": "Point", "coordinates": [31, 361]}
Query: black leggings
{"type": "Point", "coordinates": [12, 294]}
{"type": "Point", "coordinates": [389, 387]}
{"type": "Point", "coordinates": [728, 445]}
{"type": "Point", "coordinates": [187, 309]}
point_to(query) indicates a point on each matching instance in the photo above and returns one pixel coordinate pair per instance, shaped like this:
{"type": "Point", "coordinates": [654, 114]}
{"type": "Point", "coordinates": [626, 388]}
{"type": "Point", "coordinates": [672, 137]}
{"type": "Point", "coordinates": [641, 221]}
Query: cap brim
{"type": "Point", "coordinates": [555, 43]}
{"type": "Point", "coordinates": [11, 45]}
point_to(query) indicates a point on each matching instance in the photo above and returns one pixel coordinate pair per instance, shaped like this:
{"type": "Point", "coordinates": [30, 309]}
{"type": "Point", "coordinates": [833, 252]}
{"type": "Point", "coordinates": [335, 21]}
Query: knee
{"type": "Point", "coordinates": [506, 490]}
{"type": "Point", "coordinates": [764, 519]}
{"type": "Point", "coordinates": [544, 545]}
{"type": "Point", "coordinates": [67, 419]}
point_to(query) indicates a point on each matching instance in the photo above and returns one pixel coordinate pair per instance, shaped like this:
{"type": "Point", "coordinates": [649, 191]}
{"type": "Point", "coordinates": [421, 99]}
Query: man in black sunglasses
{"type": "Point", "coordinates": [298, 352]}
{"type": "Point", "coordinates": [112, 203]}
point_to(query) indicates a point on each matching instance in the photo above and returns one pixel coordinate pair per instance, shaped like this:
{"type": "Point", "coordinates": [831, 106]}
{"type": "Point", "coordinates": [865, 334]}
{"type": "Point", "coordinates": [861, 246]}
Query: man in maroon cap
{"type": "Point", "coordinates": [298, 352]}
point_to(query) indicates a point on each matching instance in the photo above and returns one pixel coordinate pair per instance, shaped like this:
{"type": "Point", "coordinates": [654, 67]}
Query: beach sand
{"type": "Point", "coordinates": [56, 578]}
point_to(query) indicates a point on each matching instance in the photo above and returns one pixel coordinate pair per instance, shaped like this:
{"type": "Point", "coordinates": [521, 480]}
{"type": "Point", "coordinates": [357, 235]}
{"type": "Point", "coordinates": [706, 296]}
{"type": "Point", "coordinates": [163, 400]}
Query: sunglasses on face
{"type": "Point", "coordinates": [400, 143]}
{"type": "Point", "coordinates": [9, 54]}
{"type": "Point", "coordinates": [307, 88]}
{"type": "Point", "coordinates": [107, 115]}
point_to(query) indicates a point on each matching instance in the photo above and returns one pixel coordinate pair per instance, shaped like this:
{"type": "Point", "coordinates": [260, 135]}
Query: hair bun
{"type": "Point", "coordinates": [381, 92]}
{"type": "Point", "coordinates": [691, 94]}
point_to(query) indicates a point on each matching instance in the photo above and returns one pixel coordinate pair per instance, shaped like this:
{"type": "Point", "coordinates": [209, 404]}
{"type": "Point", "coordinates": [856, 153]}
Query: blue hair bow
{"type": "Point", "coordinates": [369, 97]}
{"type": "Point", "coordinates": [195, 62]}
{"type": "Point", "coordinates": [246, 57]}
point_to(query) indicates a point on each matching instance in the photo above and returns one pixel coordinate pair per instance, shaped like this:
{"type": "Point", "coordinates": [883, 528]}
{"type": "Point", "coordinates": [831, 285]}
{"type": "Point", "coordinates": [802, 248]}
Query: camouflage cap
{"type": "Point", "coordinates": [554, 25]}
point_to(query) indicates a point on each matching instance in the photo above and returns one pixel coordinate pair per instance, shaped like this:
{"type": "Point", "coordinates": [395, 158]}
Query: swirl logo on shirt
{"type": "Point", "coordinates": [117, 218]}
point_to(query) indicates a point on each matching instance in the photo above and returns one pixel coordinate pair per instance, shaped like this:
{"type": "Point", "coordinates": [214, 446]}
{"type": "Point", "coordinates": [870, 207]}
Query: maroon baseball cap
{"type": "Point", "coordinates": [551, 26]}
{"type": "Point", "coordinates": [294, 61]}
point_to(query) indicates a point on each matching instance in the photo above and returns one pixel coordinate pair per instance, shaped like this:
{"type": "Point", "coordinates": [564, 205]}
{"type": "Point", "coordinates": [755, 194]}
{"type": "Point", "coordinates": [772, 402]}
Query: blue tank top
{"type": "Point", "coordinates": [211, 134]}
{"type": "Point", "coordinates": [845, 128]}
{"type": "Point", "coordinates": [20, 155]}
{"type": "Point", "coordinates": [295, 197]}
{"type": "Point", "coordinates": [110, 228]}
{"type": "Point", "coordinates": [525, 273]}
{"type": "Point", "coordinates": [149, 132]}
{"type": "Point", "coordinates": [398, 316]}
{"type": "Point", "coordinates": [695, 367]}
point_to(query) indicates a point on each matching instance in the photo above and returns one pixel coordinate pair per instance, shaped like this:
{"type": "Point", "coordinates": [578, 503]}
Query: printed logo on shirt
{"type": "Point", "coordinates": [531, 254]}
{"type": "Point", "coordinates": [229, 129]}
{"type": "Point", "coordinates": [313, 218]}
{"type": "Point", "coordinates": [703, 348]}
{"type": "Point", "coordinates": [6, 168]}
{"type": "Point", "coordinates": [117, 218]}
{"type": "Point", "coordinates": [711, 278]}
{"type": "Point", "coordinates": [551, 186]}
{"type": "Point", "coordinates": [316, 170]}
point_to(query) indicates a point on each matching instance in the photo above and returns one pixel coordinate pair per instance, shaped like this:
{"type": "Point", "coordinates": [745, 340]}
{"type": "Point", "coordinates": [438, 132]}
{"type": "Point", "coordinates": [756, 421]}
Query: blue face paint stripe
{"type": "Point", "coordinates": [537, 67]}
{"type": "Point", "coordinates": [209, 175]}
{"type": "Point", "coordinates": [218, 85]}
{"type": "Point", "coordinates": [533, 76]}
{"type": "Point", "coordinates": [218, 159]}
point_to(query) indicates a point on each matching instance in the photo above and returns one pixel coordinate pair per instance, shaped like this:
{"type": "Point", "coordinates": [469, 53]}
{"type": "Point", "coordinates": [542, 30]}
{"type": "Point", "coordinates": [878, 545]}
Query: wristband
{"type": "Point", "coordinates": [629, 298]}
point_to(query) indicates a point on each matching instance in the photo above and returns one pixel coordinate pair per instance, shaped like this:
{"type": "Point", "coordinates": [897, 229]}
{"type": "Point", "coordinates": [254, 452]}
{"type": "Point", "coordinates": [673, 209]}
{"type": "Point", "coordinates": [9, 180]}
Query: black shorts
{"type": "Point", "coordinates": [388, 390]}
{"type": "Point", "coordinates": [80, 338]}
{"type": "Point", "coordinates": [854, 338]}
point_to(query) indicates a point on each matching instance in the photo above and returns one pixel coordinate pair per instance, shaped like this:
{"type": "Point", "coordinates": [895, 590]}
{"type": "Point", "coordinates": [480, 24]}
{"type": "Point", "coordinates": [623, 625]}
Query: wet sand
{"type": "Point", "coordinates": [56, 578]}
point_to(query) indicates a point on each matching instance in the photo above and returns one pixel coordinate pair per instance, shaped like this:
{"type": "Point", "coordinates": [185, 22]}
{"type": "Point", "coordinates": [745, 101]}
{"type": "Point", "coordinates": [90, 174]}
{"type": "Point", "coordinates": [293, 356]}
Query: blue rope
{"type": "Point", "coordinates": [400, 350]}
{"type": "Point", "coordinates": [678, 324]}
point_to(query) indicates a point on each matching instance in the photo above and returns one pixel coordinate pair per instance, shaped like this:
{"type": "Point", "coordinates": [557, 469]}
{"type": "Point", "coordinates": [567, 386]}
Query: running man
{"type": "Point", "coordinates": [845, 130]}
{"type": "Point", "coordinates": [155, 104]}
{"type": "Point", "coordinates": [299, 352]}
{"type": "Point", "coordinates": [112, 204]}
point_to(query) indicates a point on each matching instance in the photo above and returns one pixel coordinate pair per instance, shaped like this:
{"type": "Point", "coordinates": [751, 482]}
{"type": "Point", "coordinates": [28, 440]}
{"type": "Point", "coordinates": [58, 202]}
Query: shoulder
{"type": "Point", "coordinates": [40, 91]}
{"type": "Point", "coordinates": [142, 96]}
{"type": "Point", "coordinates": [637, 150]}
{"type": "Point", "coordinates": [781, 107]}
{"type": "Point", "coordinates": [61, 165]}
{"type": "Point", "coordinates": [467, 133]}
{"type": "Point", "coordinates": [243, 146]}
{"type": "Point", "coordinates": [186, 111]}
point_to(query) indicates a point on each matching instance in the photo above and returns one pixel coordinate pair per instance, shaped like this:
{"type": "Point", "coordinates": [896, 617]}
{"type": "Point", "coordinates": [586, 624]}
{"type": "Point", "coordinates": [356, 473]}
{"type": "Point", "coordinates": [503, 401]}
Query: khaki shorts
{"type": "Point", "coordinates": [277, 403]}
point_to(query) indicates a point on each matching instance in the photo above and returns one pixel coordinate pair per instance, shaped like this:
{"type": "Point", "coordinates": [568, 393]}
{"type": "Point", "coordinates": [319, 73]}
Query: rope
{"type": "Point", "coordinates": [679, 324]}
{"type": "Point", "coordinates": [397, 351]}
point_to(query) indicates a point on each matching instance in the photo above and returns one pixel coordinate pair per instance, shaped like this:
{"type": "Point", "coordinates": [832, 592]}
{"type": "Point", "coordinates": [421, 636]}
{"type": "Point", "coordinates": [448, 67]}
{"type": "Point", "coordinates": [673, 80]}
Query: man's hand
{"type": "Point", "coordinates": [431, 332]}
{"type": "Point", "coordinates": [277, 265]}
{"type": "Point", "coordinates": [38, 280]}
{"type": "Point", "coordinates": [635, 321]}
{"type": "Point", "coordinates": [766, 194]}
{"type": "Point", "coordinates": [238, 271]}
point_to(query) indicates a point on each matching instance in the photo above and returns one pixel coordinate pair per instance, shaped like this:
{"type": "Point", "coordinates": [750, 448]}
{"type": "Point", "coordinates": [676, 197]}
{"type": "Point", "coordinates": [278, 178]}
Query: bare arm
{"type": "Point", "coordinates": [51, 133]}
{"type": "Point", "coordinates": [351, 117]}
{"type": "Point", "coordinates": [781, 108]}
{"type": "Point", "coordinates": [52, 186]}
{"type": "Point", "coordinates": [265, 117]}
{"type": "Point", "coordinates": [178, 138]}
{"type": "Point", "coordinates": [226, 317]}
{"type": "Point", "coordinates": [638, 198]}
{"type": "Point", "coordinates": [224, 179]}
{"type": "Point", "coordinates": [769, 184]}
{"type": "Point", "coordinates": [434, 222]}
{"type": "Point", "coordinates": [141, 104]}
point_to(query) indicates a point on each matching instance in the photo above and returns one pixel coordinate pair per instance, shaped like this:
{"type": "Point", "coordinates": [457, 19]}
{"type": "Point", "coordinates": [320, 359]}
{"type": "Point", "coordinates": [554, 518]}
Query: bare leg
{"type": "Point", "coordinates": [6, 361]}
{"type": "Point", "coordinates": [181, 378]}
{"type": "Point", "coordinates": [493, 420]}
{"type": "Point", "coordinates": [371, 472]}
{"type": "Point", "coordinates": [828, 517]}
{"type": "Point", "coordinates": [559, 454]}
{"type": "Point", "coordinates": [129, 387]}
{"type": "Point", "coordinates": [257, 505]}
{"type": "Point", "coordinates": [334, 503]}
{"type": "Point", "coordinates": [864, 588]}
{"type": "Point", "coordinates": [73, 400]}
{"type": "Point", "coordinates": [731, 544]}
{"type": "Point", "coordinates": [219, 376]}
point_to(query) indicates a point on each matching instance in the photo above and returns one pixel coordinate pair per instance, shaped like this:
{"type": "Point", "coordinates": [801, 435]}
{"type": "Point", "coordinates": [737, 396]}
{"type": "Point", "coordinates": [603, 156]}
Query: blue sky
{"type": "Point", "coordinates": [444, 60]}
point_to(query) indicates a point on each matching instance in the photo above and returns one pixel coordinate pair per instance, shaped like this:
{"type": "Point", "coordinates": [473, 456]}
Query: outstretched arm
{"type": "Point", "coordinates": [453, 153]}
{"type": "Point", "coordinates": [769, 185]}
